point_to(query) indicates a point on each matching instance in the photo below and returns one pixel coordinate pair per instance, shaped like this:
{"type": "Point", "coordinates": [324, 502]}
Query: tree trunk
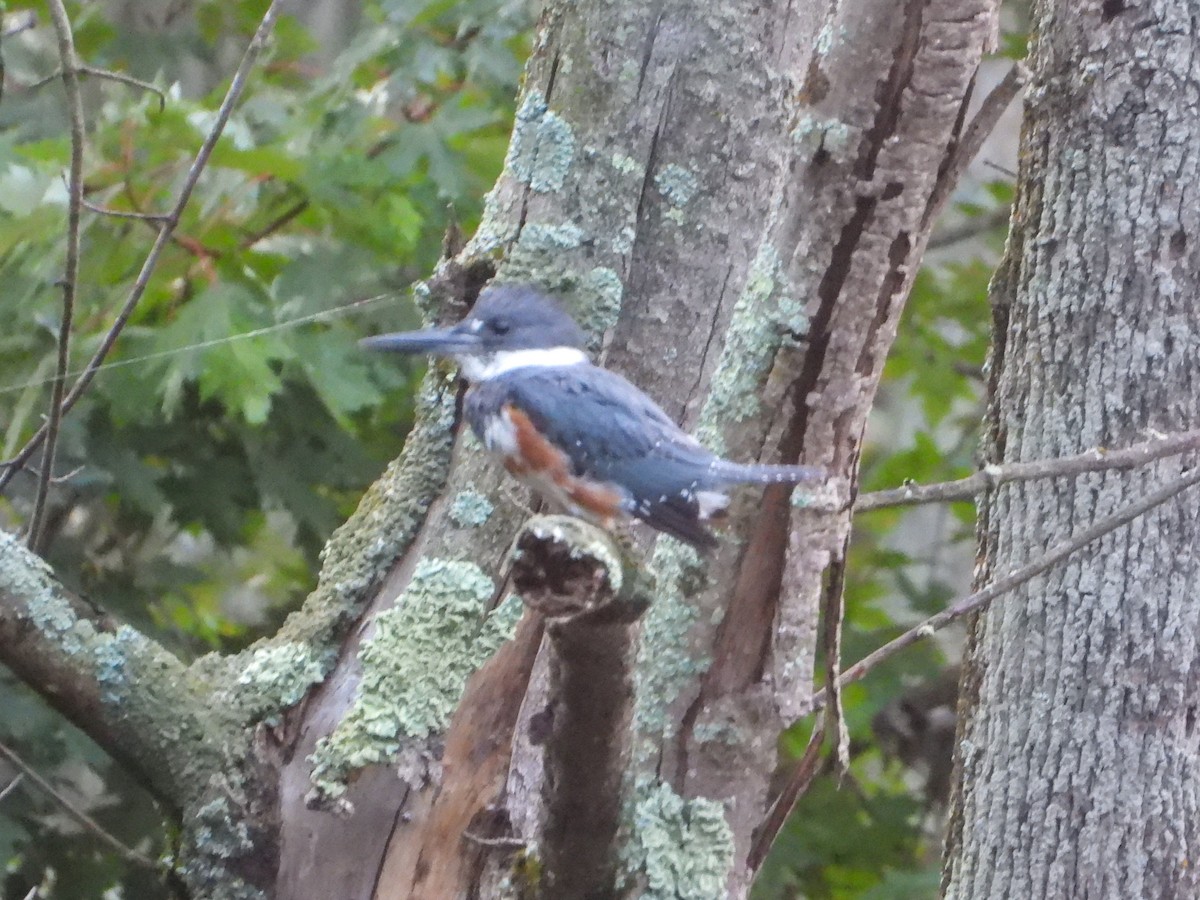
{"type": "Point", "coordinates": [1079, 757]}
{"type": "Point", "coordinates": [733, 199]}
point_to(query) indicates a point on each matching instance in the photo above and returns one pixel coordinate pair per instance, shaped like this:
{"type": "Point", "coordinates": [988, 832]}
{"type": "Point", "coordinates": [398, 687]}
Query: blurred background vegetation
{"type": "Point", "coordinates": [199, 478]}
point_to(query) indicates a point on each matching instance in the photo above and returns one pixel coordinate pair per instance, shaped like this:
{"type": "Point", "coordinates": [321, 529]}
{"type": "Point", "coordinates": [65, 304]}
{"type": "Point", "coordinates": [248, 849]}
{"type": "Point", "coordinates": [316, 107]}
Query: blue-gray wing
{"type": "Point", "coordinates": [613, 433]}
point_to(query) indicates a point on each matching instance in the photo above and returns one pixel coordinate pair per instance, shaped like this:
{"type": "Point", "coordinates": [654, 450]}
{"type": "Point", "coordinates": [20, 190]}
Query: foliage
{"type": "Point", "coordinates": [204, 474]}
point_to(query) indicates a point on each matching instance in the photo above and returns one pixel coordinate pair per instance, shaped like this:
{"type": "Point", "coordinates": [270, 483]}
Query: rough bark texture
{"type": "Point", "coordinates": [1079, 757]}
{"type": "Point", "coordinates": [733, 199]}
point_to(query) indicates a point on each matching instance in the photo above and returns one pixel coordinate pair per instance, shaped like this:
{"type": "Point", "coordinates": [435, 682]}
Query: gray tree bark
{"type": "Point", "coordinates": [1078, 753]}
{"type": "Point", "coordinates": [733, 199]}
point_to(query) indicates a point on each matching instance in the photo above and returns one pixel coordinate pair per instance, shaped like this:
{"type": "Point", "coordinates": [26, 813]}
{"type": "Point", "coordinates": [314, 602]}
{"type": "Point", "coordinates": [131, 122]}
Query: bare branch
{"type": "Point", "coordinates": [833, 615]}
{"type": "Point", "coordinates": [70, 77]}
{"type": "Point", "coordinates": [1095, 460]}
{"type": "Point", "coordinates": [971, 228]}
{"type": "Point", "coordinates": [125, 214]}
{"type": "Point", "coordinates": [129, 80]}
{"type": "Point", "coordinates": [79, 68]}
{"type": "Point", "coordinates": [236, 86]}
{"type": "Point", "coordinates": [798, 782]}
{"type": "Point", "coordinates": [1000, 586]}
{"type": "Point", "coordinates": [275, 224]}
{"type": "Point", "coordinates": [971, 140]}
{"type": "Point", "coordinates": [127, 853]}
{"type": "Point", "coordinates": [575, 576]}
{"type": "Point", "coordinates": [12, 785]}
{"type": "Point", "coordinates": [123, 690]}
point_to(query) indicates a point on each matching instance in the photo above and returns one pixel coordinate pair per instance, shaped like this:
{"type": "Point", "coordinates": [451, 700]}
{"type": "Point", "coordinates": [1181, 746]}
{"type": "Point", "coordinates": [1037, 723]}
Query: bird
{"type": "Point", "coordinates": [580, 435]}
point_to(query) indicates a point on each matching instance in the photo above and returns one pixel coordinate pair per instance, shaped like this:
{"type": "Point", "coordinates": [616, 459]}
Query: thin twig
{"type": "Point", "coordinates": [125, 214]}
{"type": "Point", "coordinates": [70, 67]}
{"type": "Point", "coordinates": [798, 782]}
{"type": "Point", "coordinates": [1095, 460]}
{"type": "Point", "coordinates": [236, 87]}
{"type": "Point", "coordinates": [979, 599]}
{"type": "Point", "coordinates": [127, 853]}
{"type": "Point", "coordinates": [971, 228]}
{"type": "Point", "coordinates": [96, 72]}
{"type": "Point", "coordinates": [275, 224]}
{"type": "Point", "coordinates": [129, 80]}
{"type": "Point", "coordinates": [834, 614]}
{"type": "Point", "coordinates": [971, 140]}
{"type": "Point", "coordinates": [1003, 170]}
{"type": "Point", "coordinates": [12, 785]}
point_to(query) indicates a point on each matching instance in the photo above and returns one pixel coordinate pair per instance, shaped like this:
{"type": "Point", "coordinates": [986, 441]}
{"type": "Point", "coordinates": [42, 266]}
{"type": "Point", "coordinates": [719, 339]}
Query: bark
{"type": "Point", "coordinates": [1078, 754]}
{"type": "Point", "coordinates": [127, 693]}
{"type": "Point", "coordinates": [733, 202]}
{"type": "Point", "coordinates": [733, 199]}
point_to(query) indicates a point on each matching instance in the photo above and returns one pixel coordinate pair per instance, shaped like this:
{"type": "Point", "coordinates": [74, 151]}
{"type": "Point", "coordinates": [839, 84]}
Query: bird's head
{"type": "Point", "coordinates": [511, 326]}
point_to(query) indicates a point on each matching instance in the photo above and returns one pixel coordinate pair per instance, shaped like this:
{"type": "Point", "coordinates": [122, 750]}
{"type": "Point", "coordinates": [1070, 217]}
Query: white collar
{"type": "Point", "coordinates": [492, 365]}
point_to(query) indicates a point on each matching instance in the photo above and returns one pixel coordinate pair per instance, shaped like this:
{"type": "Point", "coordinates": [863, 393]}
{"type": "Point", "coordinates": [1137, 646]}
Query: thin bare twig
{"type": "Point", "coordinates": [971, 140]}
{"type": "Point", "coordinates": [972, 227]}
{"type": "Point", "coordinates": [798, 782]}
{"type": "Point", "coordinates": [127, 853]}
{"type": "Point", "coordinates": [236, 87]}
{"type": "Point", "coordinates": [834, 614]}
{"type": "Point", "coordinates": [1003, 170]}
{"type": "Point", "coordinates": [1015, 579]}
{"type": "Point", "coordinates": [96, 72]}
{"type": "Point", "coordinates": [12, 785]}
{"type": "Point", "coordinates": [125, 214]}
{"type": "Point", "coordinates": [129, 80]}
{"type": "Point", "coordinates": [275, 224]}
{"type": "Point", "coordinates": [1095, 460]}
{"type": "Point", "coordinates": [70, 68]}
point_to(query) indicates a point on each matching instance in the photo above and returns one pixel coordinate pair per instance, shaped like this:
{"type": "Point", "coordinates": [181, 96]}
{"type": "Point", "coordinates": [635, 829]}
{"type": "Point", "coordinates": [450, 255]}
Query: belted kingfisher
{"type": "Point", "coordinates": [581, 436]}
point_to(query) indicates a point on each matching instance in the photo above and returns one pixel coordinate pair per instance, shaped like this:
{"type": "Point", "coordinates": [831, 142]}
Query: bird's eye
{"type": "Point", "coordinates": [500, 326]}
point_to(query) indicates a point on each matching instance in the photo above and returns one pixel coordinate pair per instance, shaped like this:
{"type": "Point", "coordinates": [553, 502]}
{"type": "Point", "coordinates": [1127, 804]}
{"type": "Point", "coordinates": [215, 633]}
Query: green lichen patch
{"type": "Point", "coordinates": [683, 849]}
{"type": "Point", "coordinates": [676, 184]}
{"type": "Point", "coordinates": [627, 165]}
{"type": "Point", "coordinates": [415, 666]}
{"type": "Point", "coordinates": [832, 136]}
{"type": "Point", "coordinates": [278, 675]}
{"type": "Point", "coordinates": [470, 509]}
{"type": "Point", "coordinates": [723, 731]}
{"type": "Point", "coordinates": [542, 145]}
{"type": "Point", "coordinates": [497, 229]}
{"type": "Point", "coordinates": [622, 242]}
{"type": "Point", "coordinates": [217, 836]}
{"type": "Point", "coordinates": [765, 313]}
{"type": "Point", "coordinates": [598, 301]}
{"type": "Point", "coordinates": [538, 237]}
{"type": "Point", "coordinates": [54, 618]}
{"type": "Point", "coordinates": [666, 659]}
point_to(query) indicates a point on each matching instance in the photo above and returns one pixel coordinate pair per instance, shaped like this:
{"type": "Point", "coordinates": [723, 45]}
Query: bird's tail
{"type": "Point", "coordinates": [725, 472]}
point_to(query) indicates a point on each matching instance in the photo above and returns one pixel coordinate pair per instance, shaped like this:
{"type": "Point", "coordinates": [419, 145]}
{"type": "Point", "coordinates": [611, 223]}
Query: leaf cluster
{"type": "Point", "coordinates": [202, 473]}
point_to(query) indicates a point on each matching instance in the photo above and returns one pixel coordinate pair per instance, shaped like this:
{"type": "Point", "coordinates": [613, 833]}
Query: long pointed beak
{"type": "Point", "coordinates": [440, 341]}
